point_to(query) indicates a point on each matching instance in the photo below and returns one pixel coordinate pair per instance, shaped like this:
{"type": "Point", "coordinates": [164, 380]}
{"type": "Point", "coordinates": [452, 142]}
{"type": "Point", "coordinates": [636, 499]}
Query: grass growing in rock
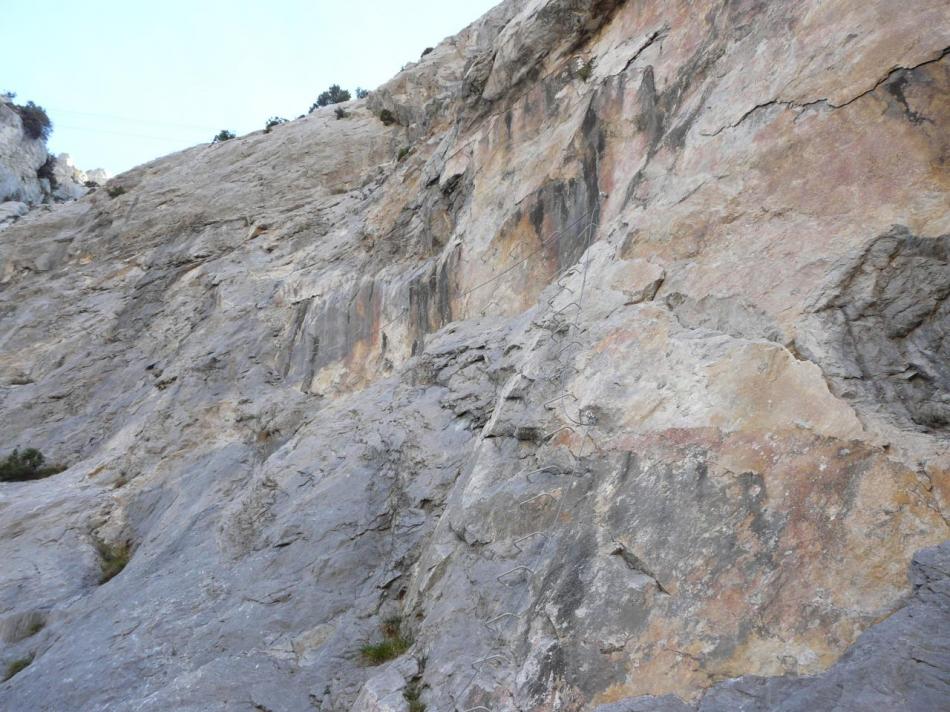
{"type": "Point", "coordinates": [411, 694]}
{"type": "Point", "coordinates": [112, 558]}
{"type": "Point", "coordinates": [17, 666]}
{"type": "Point", "coordinates": [27, 465]}
{"type": "Point", "coordinates": [393, 644]}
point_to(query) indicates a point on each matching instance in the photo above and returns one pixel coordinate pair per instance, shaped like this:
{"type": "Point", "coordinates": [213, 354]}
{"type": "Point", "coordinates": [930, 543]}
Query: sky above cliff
{"type": "Point", "coordinates": [125, 82]}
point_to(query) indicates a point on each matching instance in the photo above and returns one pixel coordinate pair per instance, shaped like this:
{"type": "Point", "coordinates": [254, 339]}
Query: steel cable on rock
{"type": "Point", "coordinates": [582, 422]}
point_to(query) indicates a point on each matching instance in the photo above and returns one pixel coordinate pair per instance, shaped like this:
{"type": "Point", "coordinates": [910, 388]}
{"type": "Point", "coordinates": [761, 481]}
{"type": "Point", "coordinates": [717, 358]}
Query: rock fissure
{"type": "Point", "coordinates": [801, 107]}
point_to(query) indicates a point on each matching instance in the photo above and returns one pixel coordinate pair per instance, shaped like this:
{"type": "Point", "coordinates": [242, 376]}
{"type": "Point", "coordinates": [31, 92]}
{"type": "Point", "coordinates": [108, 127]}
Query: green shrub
{"type": "Point", "coordinates": [393, 645]}
{"type": "Point", "coordinates": [333, 95]}
{"type": "Point", "coordinates": [428, 50]}
{"type": "Point", "coordinates": [9, 95]}
{"type": "Point", "coordinates": [46, 171]}
{"type": "Point", "coordinates": [26, 466]}
{"type": "Point", "coordinates": [387, 117]}
{"type": "Point", "coordinates": [115, 191]}
{"type": "Point", "coordinates": [403, 152]}
{"type": "Point", "coordinates": [586, 70]}
{"type": "Point", "coordinates": [341, 113]}
{"type": "Point", "coordinates": [36, 123]}
{"type": "Point", "coordinates": [223, 135]}
{"type": "Point", "coordinates": [361, 93]}
{"type": "Point", "coordinates": [35, 627]}
{"type": "Point", "coordinates": [112, 558]}
{"type": "Point", "coordinates": [17, 666]}
{"type": "Point", "coordinates": [412, 693]}
{"type": "Point", "coordinates": [272, 122]}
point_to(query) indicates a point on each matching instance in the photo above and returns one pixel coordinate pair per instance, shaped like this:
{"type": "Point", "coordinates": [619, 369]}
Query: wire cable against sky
{"type": "Point", "coordinates": [54, 110]}
{"type": "Point", "coordinates": [123, 133]}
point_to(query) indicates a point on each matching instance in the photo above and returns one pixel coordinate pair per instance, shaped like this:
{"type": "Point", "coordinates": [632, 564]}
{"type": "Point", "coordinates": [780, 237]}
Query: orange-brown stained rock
{"type": "Point", "coordinates": [844, 521]}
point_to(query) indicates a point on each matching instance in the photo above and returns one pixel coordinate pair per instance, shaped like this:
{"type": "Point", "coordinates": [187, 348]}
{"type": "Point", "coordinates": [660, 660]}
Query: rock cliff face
{"type": "Point", "coordinates": [617, 367]}
{"type": "Point", "coordinates": [29, 175]}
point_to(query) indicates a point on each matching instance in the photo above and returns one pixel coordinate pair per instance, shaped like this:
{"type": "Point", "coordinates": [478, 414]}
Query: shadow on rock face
{"type": "Point", "coordinates": [881, 330]}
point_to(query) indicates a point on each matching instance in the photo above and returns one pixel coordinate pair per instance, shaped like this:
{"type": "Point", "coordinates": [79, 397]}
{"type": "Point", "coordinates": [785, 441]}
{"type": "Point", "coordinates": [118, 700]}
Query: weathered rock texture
{"type": "Point", "coordinates": [629, 380]}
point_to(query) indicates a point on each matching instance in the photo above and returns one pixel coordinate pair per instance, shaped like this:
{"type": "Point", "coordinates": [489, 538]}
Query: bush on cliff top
{"type": "Point", "coordinates": [25, 466]}
{"type": "Point", "coordinates": [333, 95]}
{"type": "Point", "coordinates": [274, 121]}
{"type": "Point", "coordinates": [36, 123]}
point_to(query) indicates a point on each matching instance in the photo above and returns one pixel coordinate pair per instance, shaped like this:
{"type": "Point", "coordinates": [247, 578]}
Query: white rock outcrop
{"type": "Point", "coordinates": [22, 159]}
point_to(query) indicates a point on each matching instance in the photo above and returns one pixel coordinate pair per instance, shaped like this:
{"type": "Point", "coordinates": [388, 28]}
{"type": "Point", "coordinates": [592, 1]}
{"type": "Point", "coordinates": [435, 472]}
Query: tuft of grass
{"type": "Point", "coordinates": [382, 652]}
{"type": "Point", "coordinates": [17, 666]}
{"type": "Point", "coordinates": [35, 627]}
{"type": "Point", "coordinates": [341, 113]}
{"type": "Point", "coordinates": [403, 152]}
{"type": "Point", "coordinates": [394, 643]}
{"type": "Point", "coordinates": [115, 191]}
{"type": "Point", "coordinates": [27, 465]}
{"type": "Point", "coordinates": [112, 558]}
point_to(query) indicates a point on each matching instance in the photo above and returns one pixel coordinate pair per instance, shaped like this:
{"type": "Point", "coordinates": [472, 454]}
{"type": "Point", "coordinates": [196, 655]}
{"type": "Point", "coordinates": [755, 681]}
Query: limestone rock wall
{"type": "Point", "coordinates": [20, 159]}
{"type": "Point", "coordinates": [23, 181]}
{"type": "Point", "coordinates": [615, 367]}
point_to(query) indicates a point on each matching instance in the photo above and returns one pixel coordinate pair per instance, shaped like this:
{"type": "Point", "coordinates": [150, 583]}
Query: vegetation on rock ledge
{"type": "Point", "coordinates": [26, 466]}
{"type": "Point", "coordinates": [393, 645]}
{"type": "Point", "coordinates": [35, 121]}
{"type": "Point", "coordinates": [17, 666]}
{"type": "Point", "coordinates": [333, 95]}
{"type": "Point", "coordinates": [112, 558]}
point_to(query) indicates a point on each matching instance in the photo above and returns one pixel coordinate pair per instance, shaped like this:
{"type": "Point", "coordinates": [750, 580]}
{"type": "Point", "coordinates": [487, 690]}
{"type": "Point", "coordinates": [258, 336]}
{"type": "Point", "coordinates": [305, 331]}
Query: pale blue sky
{"type": "Point", "coordinates": [125, 81]}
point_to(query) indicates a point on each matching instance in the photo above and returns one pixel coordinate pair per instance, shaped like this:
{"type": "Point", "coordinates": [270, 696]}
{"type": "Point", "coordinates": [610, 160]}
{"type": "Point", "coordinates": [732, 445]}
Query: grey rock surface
{"type": "Point", "coordinates": [614, 386]}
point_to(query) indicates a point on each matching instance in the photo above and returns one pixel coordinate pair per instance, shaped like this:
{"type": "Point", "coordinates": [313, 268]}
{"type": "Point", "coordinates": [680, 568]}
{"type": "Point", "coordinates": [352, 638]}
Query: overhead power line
{"type": "Point", "coordinates": [123, 133]}
{"type": "Point", "coordinates": [55, 110]}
